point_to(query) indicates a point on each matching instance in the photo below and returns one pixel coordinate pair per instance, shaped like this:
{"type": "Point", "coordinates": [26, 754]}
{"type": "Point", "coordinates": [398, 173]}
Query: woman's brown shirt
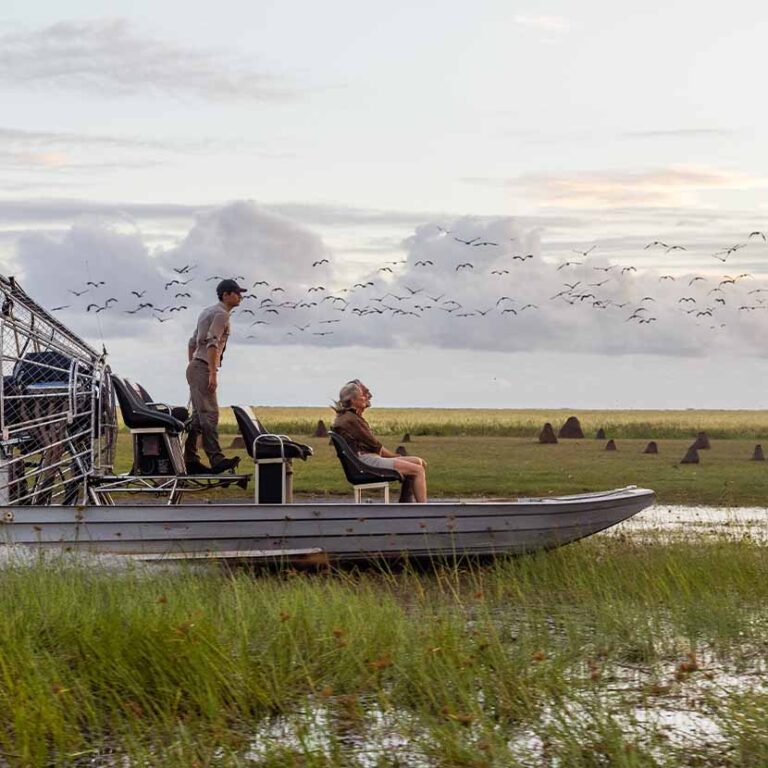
{"type": "Point", "coordinates": [356, 431]}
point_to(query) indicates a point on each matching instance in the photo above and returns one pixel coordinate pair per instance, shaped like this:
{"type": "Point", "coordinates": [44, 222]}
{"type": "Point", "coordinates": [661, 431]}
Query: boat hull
{"type": "Point", "coordinates": [339, 531]}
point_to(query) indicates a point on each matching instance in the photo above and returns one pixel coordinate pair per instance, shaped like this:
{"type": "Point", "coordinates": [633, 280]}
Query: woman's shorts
{"type": "Point", "coordinates": [376, 461]}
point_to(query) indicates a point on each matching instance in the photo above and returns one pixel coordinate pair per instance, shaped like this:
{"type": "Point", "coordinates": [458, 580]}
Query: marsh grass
{"type": "Point", "coordinates": [193, 664]}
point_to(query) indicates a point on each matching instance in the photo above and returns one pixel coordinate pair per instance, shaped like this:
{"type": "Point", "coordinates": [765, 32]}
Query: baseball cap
{"type": "Point", "coordinates": [229, 286]}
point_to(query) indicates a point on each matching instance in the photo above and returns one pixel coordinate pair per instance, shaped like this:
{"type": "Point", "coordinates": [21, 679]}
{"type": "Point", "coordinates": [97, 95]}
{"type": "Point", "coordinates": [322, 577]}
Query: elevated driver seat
{"type": "Point", "coordinates": [177, 411]}
{"type": "Point", "coordinates": [272, 458]}
{"type": "Point", "coordinates": [156, 435]}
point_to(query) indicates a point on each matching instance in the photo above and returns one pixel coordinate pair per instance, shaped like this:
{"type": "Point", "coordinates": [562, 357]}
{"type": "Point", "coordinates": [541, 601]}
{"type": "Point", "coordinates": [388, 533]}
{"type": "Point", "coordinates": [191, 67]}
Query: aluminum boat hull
{"type": "Point", "coordinates": [338, 531]}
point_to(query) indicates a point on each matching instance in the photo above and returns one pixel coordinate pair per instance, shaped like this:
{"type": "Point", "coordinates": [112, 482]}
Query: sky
{"type": "Point", "coordinates": [472, 205]}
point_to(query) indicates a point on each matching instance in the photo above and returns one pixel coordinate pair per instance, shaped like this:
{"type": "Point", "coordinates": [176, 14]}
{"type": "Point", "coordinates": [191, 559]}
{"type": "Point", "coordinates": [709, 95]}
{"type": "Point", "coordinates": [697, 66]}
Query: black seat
{"type": "Point", "coordinates": [138, 415]}
{"type": "Point", "coordinates": [49, 369]}
{"type": "Point", "coordinates": [358, 473]}
{"type": "Point", "coordinates": [177, 411]}
{"type": "Point", "coordinates": [268, 446]}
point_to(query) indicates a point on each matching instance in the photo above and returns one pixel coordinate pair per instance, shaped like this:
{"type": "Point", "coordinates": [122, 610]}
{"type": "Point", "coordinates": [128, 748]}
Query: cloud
{"type": "Point", "coordinates": [551, 25]}
{"type": "Point", "coordinates": [47, 161]}
{"type": "Point", "coordinates": [662, 186]}
{"type": "Point", "coordinates": [109, 57]}
{"type": "Point", "coordinates": [10, 137]}
{"type": "Point", "coordinates": [44, 210]}
{"type": "Point", "coordinates": [65, 210]}
{"type": "Point", "coordinates": [235, 240]}
{"type": "Point", "coordinates": [511, 295]}
{"type": "Point", "coordinates": [678, 133]}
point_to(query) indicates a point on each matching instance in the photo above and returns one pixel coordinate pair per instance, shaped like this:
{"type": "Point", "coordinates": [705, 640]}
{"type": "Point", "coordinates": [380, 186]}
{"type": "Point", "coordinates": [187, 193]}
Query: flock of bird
{"type": "Point", "coordinates": [474, 277]}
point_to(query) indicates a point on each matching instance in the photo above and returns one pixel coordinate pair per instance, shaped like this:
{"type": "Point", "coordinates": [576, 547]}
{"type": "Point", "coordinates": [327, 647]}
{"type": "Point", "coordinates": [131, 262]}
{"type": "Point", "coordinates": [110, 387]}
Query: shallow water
{"type": "Point", "coordinates": [733, 522]}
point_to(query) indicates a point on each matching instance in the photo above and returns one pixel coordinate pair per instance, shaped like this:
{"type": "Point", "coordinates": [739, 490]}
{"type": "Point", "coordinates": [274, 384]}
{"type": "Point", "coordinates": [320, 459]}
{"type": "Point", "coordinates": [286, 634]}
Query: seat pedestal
{"type": "Point", "coordinates": [358, 491]}
{"type": "Point", "coordinates": [273, 481]}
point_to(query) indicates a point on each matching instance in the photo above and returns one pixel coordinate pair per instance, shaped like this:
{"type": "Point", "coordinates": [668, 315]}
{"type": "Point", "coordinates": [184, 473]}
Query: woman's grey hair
{"type": "Point", "coordinates": [347, 393]}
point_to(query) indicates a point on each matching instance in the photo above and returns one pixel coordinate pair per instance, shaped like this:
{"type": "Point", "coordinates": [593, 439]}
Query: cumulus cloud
{"type": "Point", "coordinates": [237, 240]}
{"type": "Point", "coordinates": [469, 283]}
{"type": "Point", "coordinates": [110, 57]}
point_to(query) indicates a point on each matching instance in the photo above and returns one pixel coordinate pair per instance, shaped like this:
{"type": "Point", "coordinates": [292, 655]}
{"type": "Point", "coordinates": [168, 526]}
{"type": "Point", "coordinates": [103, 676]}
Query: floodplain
{"type": "Point", "coordinates": [641, 646]}
{"type": "Point", "coordinates": [496, 453]}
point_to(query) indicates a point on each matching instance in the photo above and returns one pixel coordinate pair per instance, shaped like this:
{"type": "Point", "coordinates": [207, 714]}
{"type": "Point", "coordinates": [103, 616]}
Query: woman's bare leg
{"type": "Point", "coordinates": [413, 467]}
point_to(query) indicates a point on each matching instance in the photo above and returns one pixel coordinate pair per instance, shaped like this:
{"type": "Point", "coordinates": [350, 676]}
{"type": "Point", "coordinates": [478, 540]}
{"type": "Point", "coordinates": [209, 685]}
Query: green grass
{"type": "Point", "coordinates": [509, 467]}
{"type": "Point", "coordinates": [185, 667]}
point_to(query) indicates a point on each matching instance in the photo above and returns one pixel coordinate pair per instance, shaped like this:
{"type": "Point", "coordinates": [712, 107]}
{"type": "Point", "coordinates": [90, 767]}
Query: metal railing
{"type": "Point", "coordinates": [57, 407]}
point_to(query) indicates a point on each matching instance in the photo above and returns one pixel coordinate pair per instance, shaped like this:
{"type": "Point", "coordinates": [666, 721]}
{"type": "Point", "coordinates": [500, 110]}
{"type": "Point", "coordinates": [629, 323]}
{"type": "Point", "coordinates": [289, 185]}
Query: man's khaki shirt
{"type": "Point", "coordinates": [212, 331]}
{"type": "Point", "coordinates": [356, 431]}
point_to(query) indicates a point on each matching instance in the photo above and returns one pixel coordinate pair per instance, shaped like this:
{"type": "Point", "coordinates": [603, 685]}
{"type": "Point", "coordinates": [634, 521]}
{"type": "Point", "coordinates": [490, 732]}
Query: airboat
{"type": "Point", "coordinates": [59, 489]}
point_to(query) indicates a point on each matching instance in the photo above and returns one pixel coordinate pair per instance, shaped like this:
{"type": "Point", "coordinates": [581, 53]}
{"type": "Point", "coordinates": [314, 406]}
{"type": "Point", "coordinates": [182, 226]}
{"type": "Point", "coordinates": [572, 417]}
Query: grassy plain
{"type": "Point", "coordinates": [570, 658]}
{"type": "Point", "coordinates": [496, 453]}
{"type": "Point", "coordinates": [509, 422]}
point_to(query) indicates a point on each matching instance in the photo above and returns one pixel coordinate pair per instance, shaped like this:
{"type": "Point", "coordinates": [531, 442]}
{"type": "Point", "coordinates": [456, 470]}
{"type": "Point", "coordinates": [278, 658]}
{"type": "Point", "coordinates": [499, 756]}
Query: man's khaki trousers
{"type": "Point", "coordinates": [205, 416]}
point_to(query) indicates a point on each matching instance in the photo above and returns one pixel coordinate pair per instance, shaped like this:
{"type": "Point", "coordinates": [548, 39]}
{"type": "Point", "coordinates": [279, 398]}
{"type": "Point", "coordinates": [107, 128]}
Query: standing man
{"type": "Point", "coordinates": [205, 350]}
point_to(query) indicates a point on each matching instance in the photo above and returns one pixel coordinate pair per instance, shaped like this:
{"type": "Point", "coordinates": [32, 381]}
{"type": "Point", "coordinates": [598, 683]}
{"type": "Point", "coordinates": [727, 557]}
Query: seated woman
{"type": "Point", "coordinates": [354, 398]}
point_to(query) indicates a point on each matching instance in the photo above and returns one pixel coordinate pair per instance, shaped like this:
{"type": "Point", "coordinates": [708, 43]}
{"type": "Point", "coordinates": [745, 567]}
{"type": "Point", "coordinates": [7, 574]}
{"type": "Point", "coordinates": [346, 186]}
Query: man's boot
{"type": "Point", "coordinates": [225, 465]}
{"type": "Point", "coordinates": [196, 467]}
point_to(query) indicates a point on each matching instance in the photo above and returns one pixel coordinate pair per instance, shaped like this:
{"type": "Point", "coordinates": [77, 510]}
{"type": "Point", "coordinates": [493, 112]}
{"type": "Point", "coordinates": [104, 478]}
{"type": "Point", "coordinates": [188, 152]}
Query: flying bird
{"type": "Point", "coordinates": [319, 262]}
{"type": "Point", "coordinates": [464, 266]}
{"type": "Point", "coordinates": [175, 282]}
